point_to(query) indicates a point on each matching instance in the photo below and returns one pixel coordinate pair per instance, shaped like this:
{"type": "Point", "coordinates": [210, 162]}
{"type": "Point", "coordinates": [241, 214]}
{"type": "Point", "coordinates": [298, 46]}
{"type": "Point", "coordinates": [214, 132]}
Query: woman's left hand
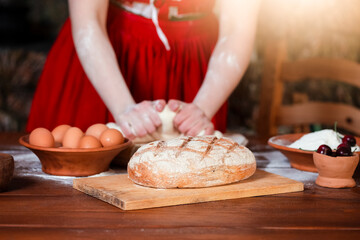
{"type": "Point", "coordinates": [190, 119]}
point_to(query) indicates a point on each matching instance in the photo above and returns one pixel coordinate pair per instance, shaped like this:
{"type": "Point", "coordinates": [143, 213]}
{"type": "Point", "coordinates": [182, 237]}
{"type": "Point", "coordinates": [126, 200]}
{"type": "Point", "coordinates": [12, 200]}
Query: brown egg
{"type": "Point", "coordinates": [41, 137]}
{"type": "Point", "coordinates": [72, 137]}
{"type": "Point", "coordinates": [96, 130]}
{"type": "Point", "coordinates": [111, 137]}
{"type": "Point", "coordinates": [59, 132]}
{"type": "Point", "coordinates": [88, 141]}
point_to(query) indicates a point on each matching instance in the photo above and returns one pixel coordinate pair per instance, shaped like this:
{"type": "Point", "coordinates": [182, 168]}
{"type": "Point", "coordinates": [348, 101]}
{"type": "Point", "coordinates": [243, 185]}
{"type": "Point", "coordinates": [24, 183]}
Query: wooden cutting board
{"type": "Point", "coordinates": [121, 192]}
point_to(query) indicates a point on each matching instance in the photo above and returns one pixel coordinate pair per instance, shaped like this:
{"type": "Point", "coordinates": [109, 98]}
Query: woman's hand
{"type": "Point", "coordinates": [140, 119]}
{"type": "Point", "coordinates": [190, 119]}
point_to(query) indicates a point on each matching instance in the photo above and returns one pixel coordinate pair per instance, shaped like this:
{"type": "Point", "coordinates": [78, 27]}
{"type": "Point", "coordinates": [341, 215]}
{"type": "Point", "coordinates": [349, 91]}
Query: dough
{"type": "Point", "coordinates": [166, 131]}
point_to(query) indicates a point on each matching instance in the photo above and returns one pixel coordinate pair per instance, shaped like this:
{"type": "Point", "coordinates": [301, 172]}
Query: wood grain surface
{"type": "Point", "coordinates": [121, 192]}
{"type": "Point", "coordinates": [41, 206]}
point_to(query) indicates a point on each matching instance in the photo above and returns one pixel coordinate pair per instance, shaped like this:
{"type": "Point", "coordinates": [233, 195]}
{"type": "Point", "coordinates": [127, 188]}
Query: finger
{"type": "Point", "coordinates": [179, 119]}
{"type": "Point", "coordinates": [147, 107]}
{"type": "Point", "coordinates": [154, 117]}
{"type": "Point", "coordinates": [138, 127]}
{"type": "Point", "coordinates": [126, 129]}
{"type": "Point", "coordinates": [195, 129]}
{"type": "Point", "coordinates": [159, 105]}
{"type": "Point", "coordinates": [209, 130]}
{"type": "Point", "coordinates": [185, 113]}
{"type": "Point", "coordinates": [148, 124]}
{"type": "Point", "coordinates": [143, 105]}
{"type": "Point", "coordinates": [187, 124]}
{"type": "Point", "coordinates": [155, 120]}
{"type": "Point", "coordinates": [175, 105]}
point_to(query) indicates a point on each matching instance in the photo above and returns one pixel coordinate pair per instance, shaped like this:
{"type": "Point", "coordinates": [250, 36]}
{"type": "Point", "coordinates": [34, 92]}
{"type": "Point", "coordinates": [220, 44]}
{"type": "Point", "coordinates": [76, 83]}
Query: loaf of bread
{"type": "Point", "coordinates": [191, 162]}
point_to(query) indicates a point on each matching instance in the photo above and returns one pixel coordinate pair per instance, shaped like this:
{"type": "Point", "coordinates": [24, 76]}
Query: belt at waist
{"type": "Point", "coordinates": [145, 10]}
{"type": "Point", "coordinates": [151, 12]}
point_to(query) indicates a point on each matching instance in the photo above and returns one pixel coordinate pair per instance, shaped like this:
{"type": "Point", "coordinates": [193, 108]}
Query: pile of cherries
{"type": "Point", "coordinates": [343, 150]}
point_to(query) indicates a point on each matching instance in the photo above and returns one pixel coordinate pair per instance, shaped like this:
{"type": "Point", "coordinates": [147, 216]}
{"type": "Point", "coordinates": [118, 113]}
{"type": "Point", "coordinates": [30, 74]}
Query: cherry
{"type": "Point", "coordinates": [344, 144]}
{"type": "Point", "coordinates": [324, 149]}
{"type": "Point", "coordinates": [343, 151]}
{"type": "Point", "coordinates": [349, 140]}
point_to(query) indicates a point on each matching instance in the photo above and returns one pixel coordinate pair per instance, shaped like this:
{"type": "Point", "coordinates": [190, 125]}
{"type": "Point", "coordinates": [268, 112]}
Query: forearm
{"type": "Point", "coordinates": [99, 62]}
{"type": "Point", "coordinates": [231, 55]}
{"type": "Point", "coordinates": [225, 70]}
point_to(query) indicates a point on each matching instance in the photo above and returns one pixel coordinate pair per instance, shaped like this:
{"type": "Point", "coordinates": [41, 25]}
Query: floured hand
{"type": "Point", "coordinates": [190, 119]}
{"type": "Point", "coordinates": [140, 119]}
{"type": "Point", "coordinates": [167, 129]}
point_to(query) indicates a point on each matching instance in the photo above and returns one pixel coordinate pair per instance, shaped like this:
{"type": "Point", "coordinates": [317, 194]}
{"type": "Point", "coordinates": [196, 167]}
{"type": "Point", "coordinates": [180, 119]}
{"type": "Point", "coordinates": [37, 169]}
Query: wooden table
{"type": "Point", "coordinates": [37, 205]}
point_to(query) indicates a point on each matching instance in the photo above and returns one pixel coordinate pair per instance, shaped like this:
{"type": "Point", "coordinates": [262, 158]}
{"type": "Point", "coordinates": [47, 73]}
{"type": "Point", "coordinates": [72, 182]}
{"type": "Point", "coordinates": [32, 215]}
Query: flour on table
{"type": "Point", "coordinates": [27, 164]}
{"type": "Point", "coordinates": [275, 162]}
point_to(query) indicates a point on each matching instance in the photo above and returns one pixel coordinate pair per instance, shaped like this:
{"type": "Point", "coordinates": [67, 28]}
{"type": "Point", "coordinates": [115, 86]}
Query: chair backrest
{"type": "Point", "coordinates": [278, 70]}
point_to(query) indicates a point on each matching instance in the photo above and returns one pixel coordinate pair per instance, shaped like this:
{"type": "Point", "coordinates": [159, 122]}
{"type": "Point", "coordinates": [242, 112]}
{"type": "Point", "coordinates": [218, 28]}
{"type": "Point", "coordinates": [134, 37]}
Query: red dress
{"type": "Point", "coordinates": [64, 94]}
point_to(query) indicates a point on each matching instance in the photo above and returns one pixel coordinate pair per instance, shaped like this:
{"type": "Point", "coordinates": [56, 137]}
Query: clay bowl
{"type": "Point", "coordinates": [123, 157]}
{"type": "Point", "coordinates": [299, 159]}
{"type": "Point", "coordinates": [74, 162]}
{"type": "Point", "coordinates": [335, 172]}
{"type": "Point", "coordinates": [6, 170]}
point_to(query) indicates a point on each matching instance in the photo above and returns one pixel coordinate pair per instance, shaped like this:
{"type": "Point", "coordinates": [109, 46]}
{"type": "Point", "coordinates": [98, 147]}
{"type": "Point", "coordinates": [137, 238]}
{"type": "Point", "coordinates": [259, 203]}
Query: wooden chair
{"type": "Point", "coordinates": [278, 70]}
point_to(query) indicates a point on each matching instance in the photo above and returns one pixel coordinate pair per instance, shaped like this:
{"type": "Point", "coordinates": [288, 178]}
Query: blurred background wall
{"type": "Point", "coordinates": [27, 31]}
{"type": "Point", "coordinates": [311, 27]}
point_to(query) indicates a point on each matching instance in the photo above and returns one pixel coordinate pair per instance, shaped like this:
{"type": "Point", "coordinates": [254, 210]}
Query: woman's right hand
{"type": "Point", "coordinates": [190, 119]}
{"type": "Point", "coordinates": [140, 119]}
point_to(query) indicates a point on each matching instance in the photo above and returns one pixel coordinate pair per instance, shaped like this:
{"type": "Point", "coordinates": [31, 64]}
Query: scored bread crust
{"type": "Point", "coordinates": [191, 162]}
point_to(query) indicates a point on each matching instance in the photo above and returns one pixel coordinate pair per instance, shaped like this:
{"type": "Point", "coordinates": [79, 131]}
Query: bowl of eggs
{"type": "Point", "coordinates": [68, 151]}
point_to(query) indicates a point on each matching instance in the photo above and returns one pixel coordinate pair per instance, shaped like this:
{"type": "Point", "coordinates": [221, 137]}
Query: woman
{"type": "Point", "coordinates": [112, 59]}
